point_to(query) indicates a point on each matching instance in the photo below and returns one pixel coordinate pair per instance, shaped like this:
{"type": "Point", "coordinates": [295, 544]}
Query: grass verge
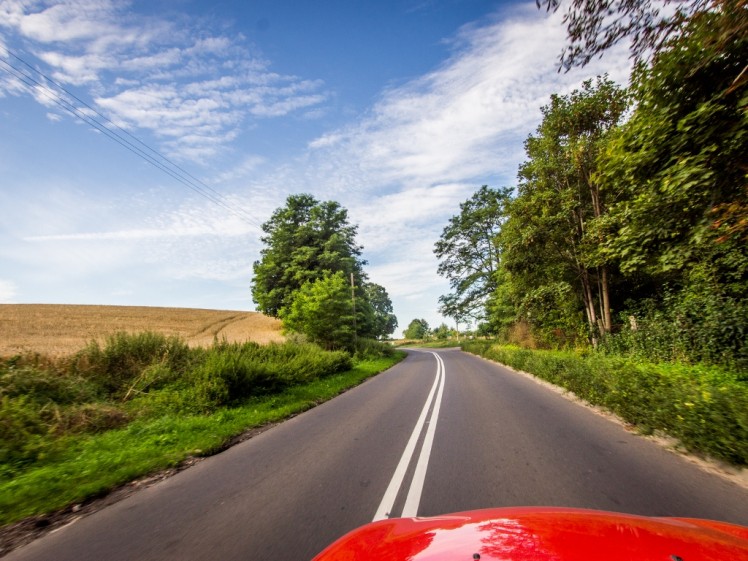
{"type": "Point", "coordinates": [89, 465]}
{"type": "Point", "coordinates": [704, 407]}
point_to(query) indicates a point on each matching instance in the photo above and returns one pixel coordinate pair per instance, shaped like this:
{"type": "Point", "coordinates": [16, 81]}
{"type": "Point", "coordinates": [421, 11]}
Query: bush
{"type": "Point", "coordinates": [43, 383]}
{"type": "Point", "coordinates": [232, 372]}
{"type": "Point", "coordinates": [117, 366]}
{"type": "Point", "coordinates": [90, 418]}
{"type": "Point", "coordinates": [137, 376]}
{"type": "Point", "coordinates": [24, 436]}
{"type": "Point", "coordinates": [704, 407]}
{"type": "Point", "coordinates": [699, 324]}
{"type": "Point", "coordinates": [371, 349]}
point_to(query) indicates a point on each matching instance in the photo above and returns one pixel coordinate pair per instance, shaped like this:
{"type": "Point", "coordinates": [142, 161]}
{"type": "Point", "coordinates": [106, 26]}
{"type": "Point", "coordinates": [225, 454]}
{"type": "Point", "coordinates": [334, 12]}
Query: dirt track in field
{"type": "Point", "coordinates": [57, 329]}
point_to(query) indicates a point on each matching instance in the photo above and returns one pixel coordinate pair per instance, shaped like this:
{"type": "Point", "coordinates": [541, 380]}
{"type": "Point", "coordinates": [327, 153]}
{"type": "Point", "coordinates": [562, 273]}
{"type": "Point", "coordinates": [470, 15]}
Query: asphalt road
{"type": "Point", "coordinates": [440, 432]}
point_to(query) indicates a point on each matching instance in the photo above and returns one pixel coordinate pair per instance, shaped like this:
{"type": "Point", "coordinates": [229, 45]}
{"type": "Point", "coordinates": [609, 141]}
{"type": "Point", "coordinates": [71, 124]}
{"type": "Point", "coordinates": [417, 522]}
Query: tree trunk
{"type": "Point", "coordinates": [605, 297]}
{"type": "Point", "coordinates": [589, 304]}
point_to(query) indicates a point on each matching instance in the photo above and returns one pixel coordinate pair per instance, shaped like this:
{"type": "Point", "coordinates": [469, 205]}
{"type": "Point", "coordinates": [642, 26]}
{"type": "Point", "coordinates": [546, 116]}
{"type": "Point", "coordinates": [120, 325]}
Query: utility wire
{"type": "Point", "coordinates": [147, 153]}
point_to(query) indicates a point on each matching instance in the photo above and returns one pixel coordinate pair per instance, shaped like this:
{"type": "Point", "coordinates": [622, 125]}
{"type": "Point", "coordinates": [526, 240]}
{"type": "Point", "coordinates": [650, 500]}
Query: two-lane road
{"type": "Point", "coordinates": [440, 432]}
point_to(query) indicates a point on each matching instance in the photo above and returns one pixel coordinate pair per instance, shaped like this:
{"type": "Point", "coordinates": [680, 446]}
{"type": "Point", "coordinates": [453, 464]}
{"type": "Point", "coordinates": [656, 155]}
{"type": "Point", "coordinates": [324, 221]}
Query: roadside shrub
{"type": "Point", "coordinates": [44, 385]}
{"type": "Point", "coordinates": [90, 418]}
{"type": "Point", "coordinates": [699, 324]}
{"type": "Point", "coordinates": [124, 357]}
{"type": "Point", "coordinates": [24, 436]}
{"type": "Point", "coordinates": [371, 349]}
{"type": "Point", "coordinates": [704, 407]}
{"type": "Point", "coordinates": [231, 372]}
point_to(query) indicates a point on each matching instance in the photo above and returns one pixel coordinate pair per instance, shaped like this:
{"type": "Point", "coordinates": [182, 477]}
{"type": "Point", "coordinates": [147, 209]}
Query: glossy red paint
{"type": "Point", "coordinates": [541, 534]}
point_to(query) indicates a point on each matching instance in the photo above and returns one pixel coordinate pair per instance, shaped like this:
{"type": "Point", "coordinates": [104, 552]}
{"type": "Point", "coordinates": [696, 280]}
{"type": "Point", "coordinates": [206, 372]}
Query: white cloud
{"type": "Point", "coordinates": [241, 170]}
{"type": "Point", "coordinates": [428, 145]}
{"type": "Point", "coordinates": [401, 170]}
{"type": "Point", "coordinates": [449, 125]}
{"type": "Point", "coordinates": [8, 291]}
{"type": "Point", "coordinates": [151, 74]}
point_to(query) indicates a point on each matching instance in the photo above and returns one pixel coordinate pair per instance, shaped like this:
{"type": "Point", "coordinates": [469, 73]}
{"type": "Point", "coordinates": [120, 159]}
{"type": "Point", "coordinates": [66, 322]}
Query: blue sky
{"type": "Point", "coordinates": [398, 110]}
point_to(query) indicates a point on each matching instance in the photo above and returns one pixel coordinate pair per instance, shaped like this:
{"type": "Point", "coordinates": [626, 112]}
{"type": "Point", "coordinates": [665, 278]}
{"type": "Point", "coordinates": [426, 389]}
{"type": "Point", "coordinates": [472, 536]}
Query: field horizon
{"type": "Point", "coordinates": [63, 329]}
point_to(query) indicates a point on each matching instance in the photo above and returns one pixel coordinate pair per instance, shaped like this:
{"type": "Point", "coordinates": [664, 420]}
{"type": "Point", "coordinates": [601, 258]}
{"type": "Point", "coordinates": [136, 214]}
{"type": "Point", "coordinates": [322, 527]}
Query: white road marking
{"type": "Point", "coordinates": [416, 488]}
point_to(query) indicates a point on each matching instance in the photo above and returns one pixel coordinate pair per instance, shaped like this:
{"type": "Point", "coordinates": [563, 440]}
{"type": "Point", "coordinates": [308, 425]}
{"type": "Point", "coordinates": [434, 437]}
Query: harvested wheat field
{"type": "Point", "coordinates": [57, 329]}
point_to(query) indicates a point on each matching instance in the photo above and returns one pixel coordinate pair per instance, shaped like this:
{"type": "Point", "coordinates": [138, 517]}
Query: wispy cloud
{"type": "Point", "coordinates": [467, 118]}
{"type": "Point", "coordinates": [401, 169]}
{"type": "Point", "coordinates": [429, 144]}
{"type": "Point", "coordinates": [151, 74]}
{"type": "Point", "coordinates": [8, 291]}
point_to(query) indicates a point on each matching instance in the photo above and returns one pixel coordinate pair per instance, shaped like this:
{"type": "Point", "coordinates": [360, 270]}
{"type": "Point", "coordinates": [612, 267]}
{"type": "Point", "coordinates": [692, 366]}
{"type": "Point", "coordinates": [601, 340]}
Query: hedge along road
{"type": "Point", "coordinates": [440, 432]}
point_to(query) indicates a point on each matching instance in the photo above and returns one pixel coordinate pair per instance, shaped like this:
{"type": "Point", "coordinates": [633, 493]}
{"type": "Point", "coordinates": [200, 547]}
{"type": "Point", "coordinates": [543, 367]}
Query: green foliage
{"type": "Point", "coordinates": [700, 323]}
{"type": "Point", "coordinates": [705, 408]}
{"type": "Point", "coordinates": [468, 253]}
{"type": "Point", "coordinates": [383, 321]}
{"type": "Point", "coordinates": [43, 383]}
{"type": "Point", "coordinates": [310, 257]}
{"type": "Point", "coordinates": [23, 432]}
{"type": "Point", "coordinates": [417, 329]}
{"type": "Point", "coordinates": [117, 368]}
{"type": "Point", "coordinates": [231, 373]}
{"type": "Point", "coordinates": [86, 466]}
{"type": "Point", "coordinates": [593, 26]}
{"type": "Point", "coordinates": [679, 162]}
{"type": "Point", "coordinates": [305, 241]}
{"type": "Point", "coordinates": [55, 453]}
{"type": "Point", "coordinates": [644, 219]}
{"type": "Point", "coordinates": [151, 375]}
{"type": "Point", "coordinates": [442, 332]}
{"type": "Point", "coordinates": [323, 311]}
{"type": "Point", "coordinates": [551, 239]}
{"type": "Point", "coordinates": [371, 349]}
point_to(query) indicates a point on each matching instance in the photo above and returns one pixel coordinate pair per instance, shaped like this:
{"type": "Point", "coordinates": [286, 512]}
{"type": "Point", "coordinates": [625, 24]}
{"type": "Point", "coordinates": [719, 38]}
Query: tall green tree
{"type": "Point", "coordinates": [679, 167]}
{"type": "Point", "coordinates": [305, 240]}
{"type": "Point", "coordinates": [679, 164]}
{"type": "Point", "coordinates": [550, 243]}
{"type": "Point", "coordinates": [383, 320]}
{"type": "Point", "coordinates": [468, 253]}
{"type": "Point", "coordinates": [323, 310]}
{"type": "Point", "coordinates": [417, 329]}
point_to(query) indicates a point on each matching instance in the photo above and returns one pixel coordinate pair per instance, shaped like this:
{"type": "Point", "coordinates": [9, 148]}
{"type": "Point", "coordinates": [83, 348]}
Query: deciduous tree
{"type": "Point", "coordinates": [469, 255]}
{"type": "Point", "coordinates": [323, 310]}
{"type": "Point", "coordinates": [304, 241]}
{"type": "Point", "coordinates": [551, 242]}
{"type": "Point", "coordinates": [383, 320]}
{"type": "Point", "coordinates": [417, 329]}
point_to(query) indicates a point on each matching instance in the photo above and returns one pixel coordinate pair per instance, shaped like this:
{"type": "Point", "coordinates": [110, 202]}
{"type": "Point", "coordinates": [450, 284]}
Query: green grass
{"type": "Point", "coordinates": [76, 467]}
{"type": "Point", "coordinates": [705, 407]}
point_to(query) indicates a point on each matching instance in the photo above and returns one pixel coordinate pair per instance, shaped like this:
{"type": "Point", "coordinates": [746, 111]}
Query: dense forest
{"type": "Point", "coordinates": [627, 229]}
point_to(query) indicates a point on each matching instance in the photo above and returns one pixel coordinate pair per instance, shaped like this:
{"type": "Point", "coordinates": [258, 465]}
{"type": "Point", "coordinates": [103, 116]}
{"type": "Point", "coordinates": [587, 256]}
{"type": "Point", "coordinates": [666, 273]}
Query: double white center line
{"type": "Point", "coordinates": [413, 499]}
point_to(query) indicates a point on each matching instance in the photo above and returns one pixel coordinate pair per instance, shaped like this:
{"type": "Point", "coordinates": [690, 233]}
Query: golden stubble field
{"type": "Point", "coordinates": [58, 329]}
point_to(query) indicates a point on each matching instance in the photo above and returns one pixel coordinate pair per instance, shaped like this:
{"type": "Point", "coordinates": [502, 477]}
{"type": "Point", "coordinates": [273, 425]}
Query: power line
{"type": "Point", "coordinates": [147, 153]}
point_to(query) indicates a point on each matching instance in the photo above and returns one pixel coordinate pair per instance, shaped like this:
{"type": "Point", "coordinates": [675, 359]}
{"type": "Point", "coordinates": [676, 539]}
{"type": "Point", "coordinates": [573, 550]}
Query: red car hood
{"type": "Point", "coordinates": [541, 534]}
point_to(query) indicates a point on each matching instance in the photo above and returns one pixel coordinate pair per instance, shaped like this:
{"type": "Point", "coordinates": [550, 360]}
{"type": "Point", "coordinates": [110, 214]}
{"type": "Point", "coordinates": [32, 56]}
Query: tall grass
{"type": "Point", "coordinates": [145, 401]}
{"type": "Point", "coordinates": [705, 407]}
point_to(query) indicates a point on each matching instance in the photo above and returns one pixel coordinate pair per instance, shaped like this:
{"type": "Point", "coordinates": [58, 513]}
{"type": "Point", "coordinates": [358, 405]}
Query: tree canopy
{"type": "Point", "coordinates": [468, 253]}
{"type": "Point", "coordinates": [551, 241]}
{"type": "Point", "coordinates": [304, 240]}
{"type": "Point", "coordinates": [417, 329]}
{"type": "Point", "coordinates": [593, 26]}
{"type": "Point", "coordinates": [311, 275]}
{"type": "Point", "coordinates": [323, 310]}
{"type": "Point", "coordinates": [629, 224]}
